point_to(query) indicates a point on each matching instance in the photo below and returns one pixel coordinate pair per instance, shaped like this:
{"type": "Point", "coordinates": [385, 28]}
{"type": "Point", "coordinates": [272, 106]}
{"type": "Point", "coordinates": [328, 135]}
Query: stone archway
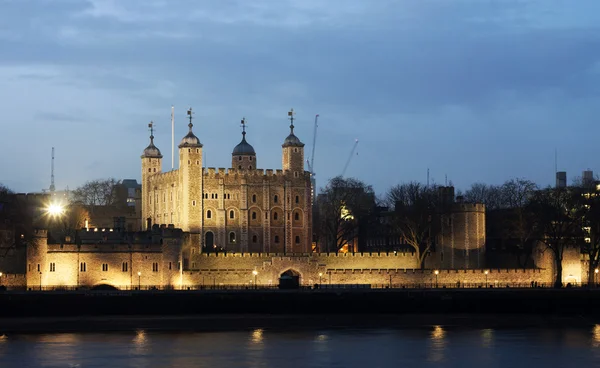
{"type": "Point", "coordinates": [209, 241]}
{"type": "Point", "coordinates": [104, 287]}
{"type": "Point", "coordinates": [289, 279]}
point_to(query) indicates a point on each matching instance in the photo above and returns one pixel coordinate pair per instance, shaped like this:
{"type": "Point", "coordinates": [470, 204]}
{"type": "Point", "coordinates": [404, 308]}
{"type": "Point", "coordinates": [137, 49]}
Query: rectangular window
{"type": "Point", "coordinates": [169, 265]}
{"type": "Point", "coordinates": [179, 266]}
{"type": "Point", "coordinates": [125, 267]}
{"type": "Point", "coordinates": [105, 267]}
{"type": "Point", "coordinates": [82, 267]}
{"type": "Point", "coordinates": [29, 269]}
{"type": "Point", "coordinates": [38, 267]}
{"type": "Point", "coordinates": [154, 267]}
{"type": "Point", "coordinates": [52, 267]}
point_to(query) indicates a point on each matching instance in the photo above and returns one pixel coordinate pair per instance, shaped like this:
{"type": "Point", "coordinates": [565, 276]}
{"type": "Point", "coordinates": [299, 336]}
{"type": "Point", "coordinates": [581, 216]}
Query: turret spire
{"type": "Point", "coordinates": [291, 117]}
{"type": "Point", "coordinates": [151, 127]}
{"type": "Point", "coordinates": [243, 128]}
{"type": "Point", "coordinates": [189, 112]}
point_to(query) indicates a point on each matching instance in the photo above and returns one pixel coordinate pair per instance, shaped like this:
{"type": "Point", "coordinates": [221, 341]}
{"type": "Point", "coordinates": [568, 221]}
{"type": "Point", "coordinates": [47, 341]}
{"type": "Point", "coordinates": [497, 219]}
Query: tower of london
{"type": "Point", "coordinates": [240, 209]}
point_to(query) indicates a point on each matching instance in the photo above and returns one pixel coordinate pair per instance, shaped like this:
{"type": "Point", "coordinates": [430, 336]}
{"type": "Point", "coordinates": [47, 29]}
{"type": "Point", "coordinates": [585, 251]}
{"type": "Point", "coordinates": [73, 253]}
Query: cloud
{"type": "Point", "coordinates": [467, 88]}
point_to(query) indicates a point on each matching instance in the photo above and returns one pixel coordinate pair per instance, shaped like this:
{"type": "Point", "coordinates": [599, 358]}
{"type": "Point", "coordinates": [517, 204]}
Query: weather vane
{"type": "Point", "coordinates": [243, 126]}
{"type": "Point", "coordinates": [190, 113]}
{"type": "Point", "coordinates": [151, 127]}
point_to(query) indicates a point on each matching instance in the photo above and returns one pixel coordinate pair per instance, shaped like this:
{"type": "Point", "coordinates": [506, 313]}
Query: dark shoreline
{"type": "Point", "coordinates": [222, 310]}
{"type": "Point", "coordinates": [283, 323]}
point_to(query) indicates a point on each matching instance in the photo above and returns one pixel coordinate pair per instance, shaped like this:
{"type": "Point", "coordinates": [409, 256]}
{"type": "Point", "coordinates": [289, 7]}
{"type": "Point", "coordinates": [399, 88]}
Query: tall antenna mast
{"type": "Point", "coordinates": [172, 137]}
{"type": "Point", "coordinates": [427, 178]}
{"type": "Point", "coordinates": [555, 161]}
{"type": "Point", "coordinates": [52, 187]}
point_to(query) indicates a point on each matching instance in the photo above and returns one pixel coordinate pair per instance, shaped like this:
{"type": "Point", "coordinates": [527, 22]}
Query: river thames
{"type": "Point", "coordinates": [430, 346]}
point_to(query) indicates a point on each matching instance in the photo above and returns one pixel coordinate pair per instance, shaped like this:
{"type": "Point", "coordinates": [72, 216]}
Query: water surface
{"type": "Point", "coordinates": [431, 346]}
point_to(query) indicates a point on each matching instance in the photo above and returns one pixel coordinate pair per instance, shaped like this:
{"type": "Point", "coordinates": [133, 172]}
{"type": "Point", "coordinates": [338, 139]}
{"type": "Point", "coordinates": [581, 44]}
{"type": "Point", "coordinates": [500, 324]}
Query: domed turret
{"type": "Point", "coordinates": [292, 140]}
{"type": "Point", "coordinates": [151, 151]}
{"type": "Point", "coordinates": [190, 140]}
{"type": "Point", "coordinates": [293, 151]}
{"type": "Point", "coordinates": [243, 155]}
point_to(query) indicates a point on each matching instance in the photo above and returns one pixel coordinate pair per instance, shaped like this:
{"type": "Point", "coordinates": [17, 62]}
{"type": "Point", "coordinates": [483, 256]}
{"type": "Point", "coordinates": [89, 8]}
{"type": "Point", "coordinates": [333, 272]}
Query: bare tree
{"type": "Point", "coordinates": [342, 204]}
{"type": "Point", "coordinates": [490, 195]}
{"type": "Point", "coordinates": [558, 223]}
{"type": "Point", "coordinates": [99, 192]}
{"type": "Point", "coordinates": [415, 206]}
{"type": "Point", "coordinates": [519, 219]}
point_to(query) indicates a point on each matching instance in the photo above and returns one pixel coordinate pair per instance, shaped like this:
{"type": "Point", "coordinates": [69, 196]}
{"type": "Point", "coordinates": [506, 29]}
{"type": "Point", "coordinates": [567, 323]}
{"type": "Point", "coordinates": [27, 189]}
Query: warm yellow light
{"type": "Point", "coordinates": [139, 273]}
{"type": "Point", "coordinates": [596, 271]}
{"type": "Point", "coordinates": [255, 272]}
{"type": "Point", "coordinates": [436, 272]}
{"type": "Point", "coordinates": [486, 272]}
{"type": "Point", "coordinates": [55, 209]}
{"type": "Point", "coordinates": [320, 274]}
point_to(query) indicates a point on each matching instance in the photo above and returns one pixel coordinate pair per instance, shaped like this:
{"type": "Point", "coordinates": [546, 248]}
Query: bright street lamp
{"type": "Point", "coordinates": [255, 273]}
{"type": "Point", "coordinates": [139, 280]}
{"type": "Point", "coordinates": [55, 209]}
{"type": "Point", "coordinates": [596, 276]}
{"type": "Point", "coordinates": [486, 273]}
{"type": "Point", "coordinates": [320, 276]}
{"type": "Point", "coordinates": [436, 277]}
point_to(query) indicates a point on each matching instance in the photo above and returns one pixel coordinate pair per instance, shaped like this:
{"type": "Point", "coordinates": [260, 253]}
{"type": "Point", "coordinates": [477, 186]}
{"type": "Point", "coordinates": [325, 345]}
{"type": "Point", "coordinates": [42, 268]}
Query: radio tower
{"type": "Point", "coordinates": [52, 187]}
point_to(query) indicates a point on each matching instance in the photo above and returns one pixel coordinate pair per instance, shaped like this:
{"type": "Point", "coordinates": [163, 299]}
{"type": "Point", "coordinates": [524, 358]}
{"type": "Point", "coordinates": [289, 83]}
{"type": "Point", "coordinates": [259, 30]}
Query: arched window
{"type": "Point", "coordinates": [249, 167]}
{"type": "Point", "coordinates": [254, 238]}
{"type": "Point", "coordinates": [276, 238]}
{"type": "Point", "coordinates": [296, 216]}
{"type": "Point", "coordinates": [240, 167]}
{"type": "Point", "coordinates": [208, 214]}
{"type": "Point", "coordinates": [297, 239]}
{"type": "Point", "coordinates": [250, 158]}
{"type": "Point", "coordinates": [275, 216]}
{"type": "Point", "coordinates": [253, 215]}
{"type": "Point", "coordinates": [231, 215]}
{"type": "Point", "coordinates": [276, 198]}
{"type": "Point", "coordinates": [253, 198]}
{"type": "Point", "coordinates": [297, 199]}
{"type": "Point", "coordinates": [232, 237]}
{"type": "Point", "coordinates": [239, 158]}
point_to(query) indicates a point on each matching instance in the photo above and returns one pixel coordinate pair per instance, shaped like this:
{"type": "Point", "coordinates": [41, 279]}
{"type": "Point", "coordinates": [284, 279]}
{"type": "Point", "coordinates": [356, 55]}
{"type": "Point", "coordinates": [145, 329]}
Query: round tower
{"type": "Point", "coordinates": [243, 156]}
{"type": "Point", "coordinates": [151, 165]}
{"type": "Point", "coordinates": [190, 180]}
{"type": "Point", "coordinates": [293, 151]}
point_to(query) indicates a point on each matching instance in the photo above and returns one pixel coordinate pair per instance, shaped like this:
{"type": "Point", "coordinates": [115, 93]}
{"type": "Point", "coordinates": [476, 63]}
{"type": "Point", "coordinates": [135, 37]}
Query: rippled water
{"type": "Point", "coordinates": [434, 346]}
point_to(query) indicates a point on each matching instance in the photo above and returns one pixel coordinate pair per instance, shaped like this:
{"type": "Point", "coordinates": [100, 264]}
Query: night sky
{"type": "Point", "coordinates": [478, 90]}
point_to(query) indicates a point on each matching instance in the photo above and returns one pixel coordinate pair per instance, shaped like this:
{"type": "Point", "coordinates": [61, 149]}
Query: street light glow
{"type": "Point", "coordinates": [55, 209]}
{"type": "Point", "coordinates": [255, 272]}
{"type": "Point", "coordinates": [436, 272]}
{"type": "Point", "coordinates": [139, 273]}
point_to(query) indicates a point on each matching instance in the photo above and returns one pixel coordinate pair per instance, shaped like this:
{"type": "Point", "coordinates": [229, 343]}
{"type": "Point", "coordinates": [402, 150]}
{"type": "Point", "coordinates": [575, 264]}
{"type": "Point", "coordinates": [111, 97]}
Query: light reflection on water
{"type": "Point", "coordinates": [435, 346]}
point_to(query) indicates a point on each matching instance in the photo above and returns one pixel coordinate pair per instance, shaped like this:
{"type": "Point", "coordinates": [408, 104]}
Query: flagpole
{"type": "Point", "coordinates": [172, 138]}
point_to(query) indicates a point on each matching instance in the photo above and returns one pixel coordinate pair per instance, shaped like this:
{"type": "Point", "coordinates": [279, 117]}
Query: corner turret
{"type": "Point", "coordinates": [293, 151]}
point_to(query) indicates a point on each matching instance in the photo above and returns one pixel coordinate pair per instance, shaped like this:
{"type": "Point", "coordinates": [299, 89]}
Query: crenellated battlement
{"type": "Point", "coordinates": [169, 176]}
{"type": "Point", "coordinates": [211, 172]}
{"type": "Point", "coordinates": [468, 207]}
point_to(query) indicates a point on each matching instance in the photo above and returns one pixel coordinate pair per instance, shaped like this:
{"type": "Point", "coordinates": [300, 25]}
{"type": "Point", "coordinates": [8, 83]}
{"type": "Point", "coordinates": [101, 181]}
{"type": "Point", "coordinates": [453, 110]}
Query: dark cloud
{"type": "Point", "coordinates": [478, 90]}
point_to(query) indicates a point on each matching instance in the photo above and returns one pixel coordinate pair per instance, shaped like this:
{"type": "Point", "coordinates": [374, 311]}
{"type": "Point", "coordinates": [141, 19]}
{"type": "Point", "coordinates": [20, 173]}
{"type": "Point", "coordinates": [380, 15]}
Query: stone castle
{"type": "Point", "coordinates": [245, 226]}
{"type": "Point", "coordinates": [242, 209]}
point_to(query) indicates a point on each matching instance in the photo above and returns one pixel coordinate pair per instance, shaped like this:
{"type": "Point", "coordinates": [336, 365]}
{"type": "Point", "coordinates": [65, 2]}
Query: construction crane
{"type": "Point", "coordinates": [350, 157]}
{"type": "Point", "coordinates": [311, 164]}
{"type": "Point", "coordinates": [52, 187]}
